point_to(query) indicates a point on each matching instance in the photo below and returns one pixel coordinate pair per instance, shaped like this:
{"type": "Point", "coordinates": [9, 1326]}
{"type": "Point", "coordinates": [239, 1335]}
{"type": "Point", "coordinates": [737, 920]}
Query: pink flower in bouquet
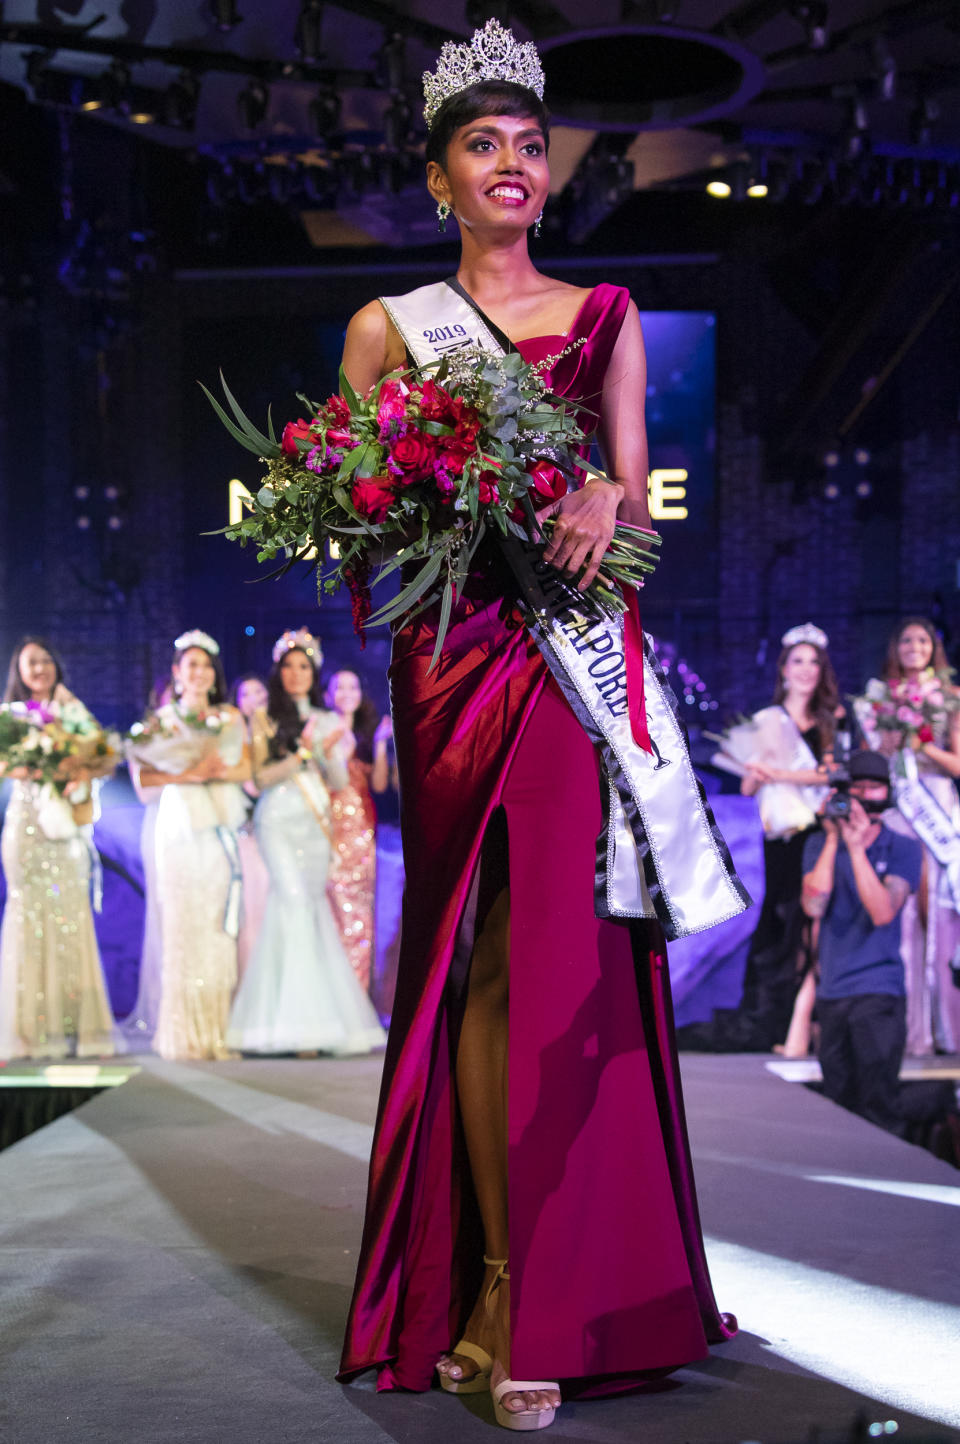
{"type": "Point", "coordinates": [337, 412]}
{"type": "Point", "coordinates": [293, 432]}
{"type": "Point", "coordinates": [412, 457]}
{"type": "Point", "coordinates": [339, 436]}
{"type": "Point", "coordinates": [925, 733]}
{"type": "Point", "coordinates": [546, 482]}
{"type": "Point", "coordinates": [38, 713]}
{"type": "Point", "coordinates": [908, 717]}
{"type": "Point", "coordinates": [886, 709]}
{"type": "Point", "coordinates": [391, 408]}
{"type": "Point", "coordinates": [371, 496]}
{"type": "Point", "coordinates": [435, 403]}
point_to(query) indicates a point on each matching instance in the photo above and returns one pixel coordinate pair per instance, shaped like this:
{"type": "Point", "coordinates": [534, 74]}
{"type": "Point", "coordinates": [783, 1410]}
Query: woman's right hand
{"type": "Point", "coordinates": [384, 732]}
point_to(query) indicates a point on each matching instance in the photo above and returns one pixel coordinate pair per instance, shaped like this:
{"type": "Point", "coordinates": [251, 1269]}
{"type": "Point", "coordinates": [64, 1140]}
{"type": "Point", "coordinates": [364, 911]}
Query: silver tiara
{"type": "Point", "coordinates": [806, 632]}
{"type": "Point", "coordinates": [492, 54]}
{"type": "Point", "coordinates": [301, 640]}
{"type": "Point", "coordinates": [196, 638]}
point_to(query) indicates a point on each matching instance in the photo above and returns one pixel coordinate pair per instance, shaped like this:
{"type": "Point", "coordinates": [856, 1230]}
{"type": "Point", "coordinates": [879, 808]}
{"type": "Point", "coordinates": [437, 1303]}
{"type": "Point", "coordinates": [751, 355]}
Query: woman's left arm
{"type": "Point", "coordinates": [586, 518]}
{"type": "Point", "coordinates": [948, 758]}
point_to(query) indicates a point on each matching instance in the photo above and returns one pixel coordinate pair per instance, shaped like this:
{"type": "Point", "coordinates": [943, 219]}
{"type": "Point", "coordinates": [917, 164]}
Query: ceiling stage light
{"type": "Point", "coordinates": [719, 188]}
{"type": "Point", "coordinates": [757, 189]}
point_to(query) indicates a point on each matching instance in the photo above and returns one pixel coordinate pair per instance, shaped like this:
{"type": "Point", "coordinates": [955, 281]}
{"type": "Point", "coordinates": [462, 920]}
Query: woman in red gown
{"type": "Point", "coordinates": [530, 1194]}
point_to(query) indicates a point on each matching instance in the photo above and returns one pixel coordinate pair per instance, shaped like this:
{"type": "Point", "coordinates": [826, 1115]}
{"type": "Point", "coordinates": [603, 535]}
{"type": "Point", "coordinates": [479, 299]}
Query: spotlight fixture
{"type": "Point", "coordinates": [308, 35]}
{"type": "Point", "coordinates": [884, 67]}
{"type": "Point", "coordinates": [224, 15]}
{"type": "Point", "coordinates": [855, 140]}
{"type": "Point", "coordinates": [813, 15]}
{"type": "Point", "coordinates": [39, 76]}
{"type": "Point", "coordinates": [113, 87]}
{"type": "Point", "coordinates": [757, 190]}
{"type": "Point", "coordinates": [396, 123]}
{"type": "Point", "coordinates": [721, 189]}
{"type": "Point", "coordinates": [180, 101]}
{"type": "Point", "coordinates": [252, 103]}
{"type": "Point", "coordinates": [922, 116]}
{"type": "Point", "coordinates": [324, 111]}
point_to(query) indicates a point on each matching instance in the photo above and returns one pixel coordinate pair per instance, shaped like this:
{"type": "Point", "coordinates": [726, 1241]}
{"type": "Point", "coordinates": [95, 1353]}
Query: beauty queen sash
{"type": "Point", "coordinates": [660, 853]}
{"type": "Point", "coordinates": [934, 827]}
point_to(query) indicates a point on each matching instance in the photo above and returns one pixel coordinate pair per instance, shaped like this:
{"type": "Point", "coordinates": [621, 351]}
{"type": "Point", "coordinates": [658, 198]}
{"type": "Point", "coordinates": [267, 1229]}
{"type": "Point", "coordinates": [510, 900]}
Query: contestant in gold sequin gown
{"type": "Point", "coordinates": [52, 993]}
{"type": "Point", "coordinates": [353, 875]}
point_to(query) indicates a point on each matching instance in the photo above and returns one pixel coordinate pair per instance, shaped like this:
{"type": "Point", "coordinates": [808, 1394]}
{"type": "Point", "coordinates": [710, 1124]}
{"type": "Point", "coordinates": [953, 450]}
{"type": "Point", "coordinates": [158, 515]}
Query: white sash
{"type": "Point", "coordinates": [660, 853]}
{"type": "Point", "coordinates": [932, 825]}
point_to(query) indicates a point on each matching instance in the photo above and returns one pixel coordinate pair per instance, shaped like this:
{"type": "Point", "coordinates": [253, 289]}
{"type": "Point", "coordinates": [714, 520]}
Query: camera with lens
{"type": "Point", "coordinates": [837, 808]}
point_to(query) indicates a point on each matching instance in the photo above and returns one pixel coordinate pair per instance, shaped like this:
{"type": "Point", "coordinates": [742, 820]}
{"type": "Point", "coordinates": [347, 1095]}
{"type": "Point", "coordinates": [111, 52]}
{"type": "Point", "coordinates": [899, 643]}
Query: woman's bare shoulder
{"type": "Point", "coordinates": [369, 325]}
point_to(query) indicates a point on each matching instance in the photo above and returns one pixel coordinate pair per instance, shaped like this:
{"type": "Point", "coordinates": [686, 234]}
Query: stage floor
{"type": "Point", "coordinates": [177, 1258]}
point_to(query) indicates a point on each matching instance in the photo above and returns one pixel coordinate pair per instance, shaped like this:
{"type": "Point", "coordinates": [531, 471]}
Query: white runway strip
{"type": "Point", "coordinates": [892, 1346]}
{"type": "Point", "coordinates": [269, 1112]}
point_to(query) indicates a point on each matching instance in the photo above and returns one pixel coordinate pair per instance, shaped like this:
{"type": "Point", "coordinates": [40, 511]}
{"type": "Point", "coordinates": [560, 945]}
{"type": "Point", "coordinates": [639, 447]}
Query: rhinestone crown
{"type": "Point", "coordinates": [492, 54]}
{"type": "Point", "coordinates": [304, 640]}
{"type": "Point", "coordinates": [196, 638]}
{"type": "Point", "coordinates": [806, 632]}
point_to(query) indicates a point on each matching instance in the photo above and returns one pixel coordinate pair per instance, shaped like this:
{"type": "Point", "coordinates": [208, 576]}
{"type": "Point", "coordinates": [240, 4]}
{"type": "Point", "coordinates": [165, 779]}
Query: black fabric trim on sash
{"type": "Point", "coordinates": [501, 338]}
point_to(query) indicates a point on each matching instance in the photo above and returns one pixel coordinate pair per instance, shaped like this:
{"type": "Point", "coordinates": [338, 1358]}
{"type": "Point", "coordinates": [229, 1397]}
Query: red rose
{"type": "Point", "coordinates": [412, 454]}
{"type": "Point", "coordinates": [454, 455]}
{"type": "Point", "coordinates": [371, 496]}
{"type": "Point", "coordinates": [925, 733]}
{"type": "Point", "coordinates": [338, 436]}
{"type": "Point", "coordinates": [293, 432]}
{"type": "Point", "coordinates": [546, 482]}
{"type": "Point", "coordinates": [488, 487]}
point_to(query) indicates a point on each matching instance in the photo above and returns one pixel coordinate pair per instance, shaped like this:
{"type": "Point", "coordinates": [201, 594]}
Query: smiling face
{"type": "Point", "coordinates": [801, 670]}
{"type": "Point", "coordinates": [38, 671]}
{"type": "Point", "coordinates": [251, 694]}
{"type": "Point", "coordinates": [196, 675]}
{"type": "Point", "coordinates": [296, 673]}
{"type": "Point", "coordinates": [914, 649]}
{"type": "Point", "coordinates": [344, 693]}
{"type": "Point", "coordinates": [495, 175]}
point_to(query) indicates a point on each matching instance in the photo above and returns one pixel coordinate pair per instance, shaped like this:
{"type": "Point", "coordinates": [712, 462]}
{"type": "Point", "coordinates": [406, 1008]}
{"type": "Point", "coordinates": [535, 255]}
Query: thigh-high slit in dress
{"type": "Point", "coordinates": [609, 1284]}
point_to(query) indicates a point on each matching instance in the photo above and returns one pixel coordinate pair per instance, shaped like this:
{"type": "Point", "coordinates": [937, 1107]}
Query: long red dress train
{"type": "Point", "coordinates": [609, 1283]}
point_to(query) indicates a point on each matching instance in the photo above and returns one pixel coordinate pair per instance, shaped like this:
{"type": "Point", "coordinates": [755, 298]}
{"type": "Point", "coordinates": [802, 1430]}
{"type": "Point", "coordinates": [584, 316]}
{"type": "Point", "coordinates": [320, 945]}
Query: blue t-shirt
{"type": "Point", "coordinates": [856, 956]}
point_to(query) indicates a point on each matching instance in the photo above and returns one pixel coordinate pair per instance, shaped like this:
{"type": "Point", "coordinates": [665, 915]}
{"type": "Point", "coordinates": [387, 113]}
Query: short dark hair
{"type": "Point", "coordinates": [485, 97]}
{"type": "Point", "coordinates": [16, 689]}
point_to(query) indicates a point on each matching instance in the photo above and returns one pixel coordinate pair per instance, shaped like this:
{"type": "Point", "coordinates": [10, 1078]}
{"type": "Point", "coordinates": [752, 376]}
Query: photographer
{"type": "Point", "coordinates": [857, 876]}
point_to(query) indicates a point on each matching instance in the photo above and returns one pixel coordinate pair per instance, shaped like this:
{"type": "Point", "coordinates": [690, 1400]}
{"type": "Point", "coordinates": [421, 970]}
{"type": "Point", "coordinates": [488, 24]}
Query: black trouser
{"type": "Point", "coordinates": [861, 1048]}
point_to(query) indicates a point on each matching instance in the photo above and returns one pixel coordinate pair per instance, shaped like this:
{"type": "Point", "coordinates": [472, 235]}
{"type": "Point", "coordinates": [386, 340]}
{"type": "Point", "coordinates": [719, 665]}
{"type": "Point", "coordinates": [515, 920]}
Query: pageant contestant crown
{"type": "Point", "coordinates": [492, 54]}
{"type": "Point", "coordinates": [806, 632]}
{"type": "Point", "coordinates": [301, 639]}
{"type": "Point", "coordinates": [196, 638]}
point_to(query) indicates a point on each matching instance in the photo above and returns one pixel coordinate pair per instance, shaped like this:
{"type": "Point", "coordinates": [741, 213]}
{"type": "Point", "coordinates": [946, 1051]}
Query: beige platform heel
{"type": "Point", "coordinates": [522, 1420]}
{"type": "Point", "coordinates": [478, 1383]}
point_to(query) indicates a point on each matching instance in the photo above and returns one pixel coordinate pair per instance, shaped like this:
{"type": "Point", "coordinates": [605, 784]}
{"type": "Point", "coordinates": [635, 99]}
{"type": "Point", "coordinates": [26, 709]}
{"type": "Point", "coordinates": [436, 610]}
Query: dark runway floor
{"type": "Point", "coordinates": [177, 1258]}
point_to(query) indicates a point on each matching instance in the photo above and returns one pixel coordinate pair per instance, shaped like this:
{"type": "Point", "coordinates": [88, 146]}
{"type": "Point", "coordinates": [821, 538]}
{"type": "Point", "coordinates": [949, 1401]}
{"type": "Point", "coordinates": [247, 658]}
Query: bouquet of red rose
{"type": "Point", "coordinates": [415, 475]}
{"type": "Point", "coordinates": [918, 711]}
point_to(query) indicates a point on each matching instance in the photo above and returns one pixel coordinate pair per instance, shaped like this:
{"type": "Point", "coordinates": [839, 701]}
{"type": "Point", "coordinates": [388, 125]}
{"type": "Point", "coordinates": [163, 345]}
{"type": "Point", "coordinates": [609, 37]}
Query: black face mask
{"type": "Point", "coordinates": [873, 806]}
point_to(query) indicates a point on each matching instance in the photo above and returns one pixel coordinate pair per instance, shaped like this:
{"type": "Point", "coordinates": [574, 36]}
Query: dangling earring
{"type": "Point", "coordinates": [536, 225]}
{"type": "Point", "coordinates": [443, 210]}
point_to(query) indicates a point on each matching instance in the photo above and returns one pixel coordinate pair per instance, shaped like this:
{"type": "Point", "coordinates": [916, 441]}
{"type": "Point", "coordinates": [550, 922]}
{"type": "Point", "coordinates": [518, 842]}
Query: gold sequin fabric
{"type": "Point", "coordinates": [198, 967]}
{"type": "Point", "coordinates": [353, 874]}
{"type": "Point", "coordinates": [53, 1000]}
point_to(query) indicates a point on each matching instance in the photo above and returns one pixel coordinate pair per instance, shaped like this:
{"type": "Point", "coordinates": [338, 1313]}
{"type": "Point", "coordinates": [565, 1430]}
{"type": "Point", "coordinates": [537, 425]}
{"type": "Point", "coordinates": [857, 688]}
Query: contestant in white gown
{"type": "Point", "coordinates": [200, 759]}
{"type": "Point", "coordinates": [299, 993]}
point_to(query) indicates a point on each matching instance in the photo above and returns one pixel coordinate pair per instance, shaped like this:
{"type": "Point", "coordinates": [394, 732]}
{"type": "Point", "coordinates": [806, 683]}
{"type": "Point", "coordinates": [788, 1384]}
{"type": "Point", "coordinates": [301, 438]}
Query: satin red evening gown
{"type": "Point", "coordinates": [608, 1276]}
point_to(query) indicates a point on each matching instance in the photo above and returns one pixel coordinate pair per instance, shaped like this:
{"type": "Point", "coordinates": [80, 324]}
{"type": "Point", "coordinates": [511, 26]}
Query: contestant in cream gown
{"type": "Point", "coordinates": [299, 993]}
{"type": "Point", "coordinates": [197, 868]}
{"type": "Point", "coordinates": [53, 1000]}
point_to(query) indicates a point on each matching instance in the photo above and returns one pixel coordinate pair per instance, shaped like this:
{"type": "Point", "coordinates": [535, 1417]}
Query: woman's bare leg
{"type": "Point", "coordinates": [797, 1043]}
{"type": "Point", "coordinates": [482, 1092]}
